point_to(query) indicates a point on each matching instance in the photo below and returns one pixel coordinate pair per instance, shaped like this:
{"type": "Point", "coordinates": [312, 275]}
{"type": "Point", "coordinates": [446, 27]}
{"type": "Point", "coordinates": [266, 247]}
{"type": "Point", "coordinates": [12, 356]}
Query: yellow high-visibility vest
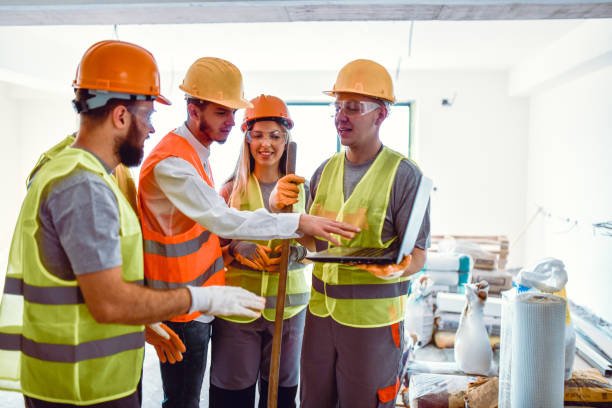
{"type": "Point", "coordinates": [51, 348]}
{"type": "Point", "coordinates": [352, 296]}
{"type": "Point", "coordinates": [261, 282]}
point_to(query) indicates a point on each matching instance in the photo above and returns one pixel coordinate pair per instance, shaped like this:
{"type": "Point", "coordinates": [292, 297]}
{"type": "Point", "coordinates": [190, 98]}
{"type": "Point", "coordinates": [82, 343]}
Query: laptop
{"type": "Point", "coordinates": [392, 254]}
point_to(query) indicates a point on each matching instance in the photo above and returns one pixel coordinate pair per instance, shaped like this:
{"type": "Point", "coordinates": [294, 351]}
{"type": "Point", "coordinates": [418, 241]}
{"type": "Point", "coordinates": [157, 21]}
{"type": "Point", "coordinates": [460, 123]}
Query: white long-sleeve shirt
{"type": "Point", "coordinates": [177, 194]}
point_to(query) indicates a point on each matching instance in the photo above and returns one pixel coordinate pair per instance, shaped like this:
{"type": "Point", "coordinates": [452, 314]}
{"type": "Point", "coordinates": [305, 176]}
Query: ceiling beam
{"type": "Point", "coordinates": [90, 12]}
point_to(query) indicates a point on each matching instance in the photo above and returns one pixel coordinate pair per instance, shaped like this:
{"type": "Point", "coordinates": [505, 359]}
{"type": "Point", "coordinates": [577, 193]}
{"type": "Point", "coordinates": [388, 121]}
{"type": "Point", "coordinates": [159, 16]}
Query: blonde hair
{"type": "Point", "coordinates": [246, 164]}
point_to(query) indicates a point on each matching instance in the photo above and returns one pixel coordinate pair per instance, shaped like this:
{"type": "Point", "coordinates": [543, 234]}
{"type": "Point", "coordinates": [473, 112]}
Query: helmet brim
{"type": "Point", "coordinates": [333, 94]}
{"type": "Point", "coordinates": [288, 123]}
{"type": "Point", "coordinates": [233, 104]}
{"type": "Point", "coordinates": [240, 103]}
{"type": "Point", "coordinates": [163, 100]}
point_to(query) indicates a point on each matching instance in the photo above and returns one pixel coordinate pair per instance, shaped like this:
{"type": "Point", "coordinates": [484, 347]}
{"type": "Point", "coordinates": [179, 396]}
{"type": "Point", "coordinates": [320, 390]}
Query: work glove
{"type": "Point", "coordinates": [286, 191]}
{"type": "Point", "coordinates": [225, 301]}
{"type": "Point", "coordinates": [253, 255]}
{"type": "Point", "coordinates": [296, 254]}
{"type": "Point", "coordinates": [387, 272]}
{"type": "Point", "coordinates": [167, 343]}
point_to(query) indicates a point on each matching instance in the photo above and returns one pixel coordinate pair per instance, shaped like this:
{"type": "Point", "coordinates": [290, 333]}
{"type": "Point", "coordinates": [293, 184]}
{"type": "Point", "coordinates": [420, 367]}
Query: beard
{"type": "Point", "coordinates": [128, 150]}
{"type": "Point", "coordinates": [207, 130]}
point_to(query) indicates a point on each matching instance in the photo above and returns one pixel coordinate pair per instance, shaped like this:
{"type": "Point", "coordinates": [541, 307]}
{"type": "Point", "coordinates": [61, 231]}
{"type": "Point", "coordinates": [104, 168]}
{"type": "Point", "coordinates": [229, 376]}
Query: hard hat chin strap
{"type": "Point", "coordinates": [96, 99]}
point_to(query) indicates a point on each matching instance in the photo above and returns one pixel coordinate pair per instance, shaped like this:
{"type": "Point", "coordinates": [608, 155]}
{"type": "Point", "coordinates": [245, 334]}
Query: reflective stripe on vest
{"type": "Point", "coordinates": [262, 282]}
{"type": "Point", "coordinates": [351, 296]}
{"type": "Point", "coordinates": [291, 300]}
{"type": "Point", "coordinates": [65, 353]}
{"type": "Point", "coordinates": [176, 250]}
{"type": "Point", "coordinates": [46, 295]}
{"type": "Point", "coordinates": [190, 258]}
{"type": "Point", "coordinates": [371, 291]}
{"type": "Point", "coordinates": [51, 346]}
{"type": "Point", "coordinates": [199, 281]}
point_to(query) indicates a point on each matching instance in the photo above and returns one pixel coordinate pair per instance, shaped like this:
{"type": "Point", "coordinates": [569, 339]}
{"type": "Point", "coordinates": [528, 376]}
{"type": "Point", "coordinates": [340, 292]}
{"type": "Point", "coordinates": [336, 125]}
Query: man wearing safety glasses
{"type": "Point", "coordinates": [353, 339]}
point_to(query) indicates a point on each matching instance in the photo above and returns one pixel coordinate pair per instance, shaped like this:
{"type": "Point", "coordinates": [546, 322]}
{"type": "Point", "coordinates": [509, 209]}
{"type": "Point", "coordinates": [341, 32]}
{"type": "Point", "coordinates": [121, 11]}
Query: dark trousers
{"type": "Point", "coordinates": [131, 401]}
{"type": "Point", "coordinates": [182, 381]}
{"type": "Point", "coordinates": [221, 398]}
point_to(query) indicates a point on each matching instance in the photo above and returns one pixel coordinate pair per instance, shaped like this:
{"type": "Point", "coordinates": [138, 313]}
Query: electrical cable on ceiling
{"type": "Point", "coordinates": [397, 70]}
{"type": "Point", "coordinates": [399, 60]}
{"type": "Point", "coordinates": [604, 228]}
{"type": "Point", "coordinates": [115, 32]}
{"type": "Point", "coordinates": [410, 38]}
{"type": "Point", "coordinates": [599, 228]}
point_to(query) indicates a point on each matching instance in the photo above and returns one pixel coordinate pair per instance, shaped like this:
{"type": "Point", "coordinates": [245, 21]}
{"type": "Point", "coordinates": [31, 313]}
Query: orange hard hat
{"type": "Point", "coordinates": [364, 77]}
{"type": "Point", "coordinates": [119, 67]}
{"type": "Point", "coordinates": [267, 107]}
{"type": "Point", "coordinates": [215, 80]}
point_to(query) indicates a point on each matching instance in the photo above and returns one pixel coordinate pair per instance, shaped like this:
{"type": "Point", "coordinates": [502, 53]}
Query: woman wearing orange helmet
{"type": "Point", "coordinates": [241, 347]}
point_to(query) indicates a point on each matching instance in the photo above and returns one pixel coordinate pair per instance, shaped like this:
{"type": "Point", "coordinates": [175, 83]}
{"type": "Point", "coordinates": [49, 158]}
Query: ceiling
{"type": "Point", "coordinates": [43, 12]}
{"type": "Point", "coordinates": [38, 52]}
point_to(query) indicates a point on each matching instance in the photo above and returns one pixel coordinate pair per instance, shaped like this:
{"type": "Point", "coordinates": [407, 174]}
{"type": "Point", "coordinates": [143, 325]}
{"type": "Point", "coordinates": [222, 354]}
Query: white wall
{"type": "Point", "coordinates": [474, 150]}
{"type": "Point", "coordinates": [10, 164]}
{"type": "Point", "coordinates": [570, 175]}
{"type": "Point", "coordinates": [31, 123]}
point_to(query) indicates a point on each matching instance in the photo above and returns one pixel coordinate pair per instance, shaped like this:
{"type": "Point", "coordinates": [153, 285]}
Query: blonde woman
{"type": "Point", "coordinates": [241, 347]}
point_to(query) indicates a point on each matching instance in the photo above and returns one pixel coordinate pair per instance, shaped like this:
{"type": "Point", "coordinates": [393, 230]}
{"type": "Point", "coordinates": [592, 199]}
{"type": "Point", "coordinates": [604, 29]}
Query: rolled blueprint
{"type": "Point", "coordinates": [538, 351]}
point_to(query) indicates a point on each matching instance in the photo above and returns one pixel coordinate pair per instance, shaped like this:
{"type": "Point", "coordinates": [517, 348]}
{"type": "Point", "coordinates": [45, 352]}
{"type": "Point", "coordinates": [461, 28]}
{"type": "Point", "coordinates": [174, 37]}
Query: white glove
{"type": "Point", "coordinates": [225, 301]}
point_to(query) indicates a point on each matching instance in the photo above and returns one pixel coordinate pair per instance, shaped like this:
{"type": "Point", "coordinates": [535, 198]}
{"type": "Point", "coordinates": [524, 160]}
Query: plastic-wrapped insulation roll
{"type": "Point", "coordinates": [538, 351]}
{"type": "Point", "coordinates": [505, 353]}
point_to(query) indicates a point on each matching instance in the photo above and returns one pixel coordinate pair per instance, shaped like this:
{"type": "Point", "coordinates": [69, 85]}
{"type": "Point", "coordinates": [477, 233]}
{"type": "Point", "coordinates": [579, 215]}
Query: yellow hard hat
{"type": "Point", "coordinates": [215, 80]}
{"type": "Point", "coordinates": [364, 77]}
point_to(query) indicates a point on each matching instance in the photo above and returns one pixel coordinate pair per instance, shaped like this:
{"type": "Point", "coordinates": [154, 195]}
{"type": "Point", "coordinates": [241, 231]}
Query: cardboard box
{"type": "Point", "coordinates": [498, 280]}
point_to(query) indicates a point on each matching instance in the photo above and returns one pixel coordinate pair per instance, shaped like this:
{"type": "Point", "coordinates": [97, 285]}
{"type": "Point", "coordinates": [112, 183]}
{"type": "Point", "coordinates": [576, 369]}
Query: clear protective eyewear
{"type": "Point", "coordinates": [355, 108]}
{"type": "Point", "coordinates": [142, 112]}
{"type": "Point", "coordinates": [276, 137]}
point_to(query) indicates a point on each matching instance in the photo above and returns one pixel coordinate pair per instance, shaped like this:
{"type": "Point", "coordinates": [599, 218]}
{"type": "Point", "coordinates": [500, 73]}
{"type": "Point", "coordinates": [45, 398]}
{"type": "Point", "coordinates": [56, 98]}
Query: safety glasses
{"type": "Point", "coordinates": [354, 108]}
{"type": "Point", "coordinates": [275, 137]}
{"type": "Point", "coordinates": [143, 113]}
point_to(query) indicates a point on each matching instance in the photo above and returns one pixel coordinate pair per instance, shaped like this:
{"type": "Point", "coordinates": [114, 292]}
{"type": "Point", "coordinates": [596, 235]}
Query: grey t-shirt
{"type": "Point", "coordinates": [266, 189]}
{"type": "Point", "coordinates": [79, 225]}
{"type": "Point", "coordinates": [403, 192]}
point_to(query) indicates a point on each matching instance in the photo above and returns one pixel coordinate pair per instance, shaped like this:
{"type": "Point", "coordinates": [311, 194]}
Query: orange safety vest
{"type": "Point", "coordinates": [191, 258]}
